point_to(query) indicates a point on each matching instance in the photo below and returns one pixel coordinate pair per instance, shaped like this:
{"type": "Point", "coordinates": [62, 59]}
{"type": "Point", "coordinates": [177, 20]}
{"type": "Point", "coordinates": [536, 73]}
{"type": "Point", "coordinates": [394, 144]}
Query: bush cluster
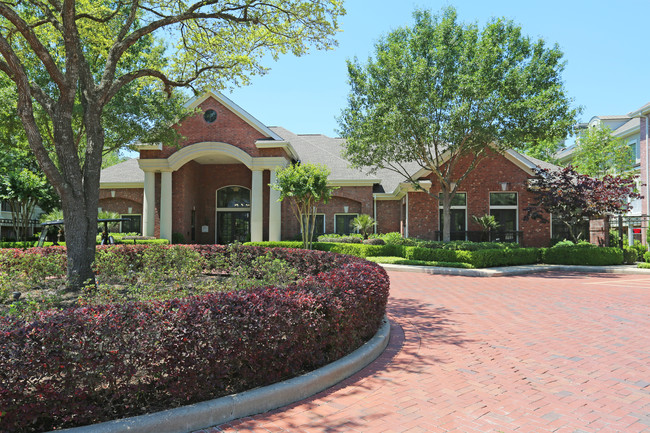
{"type": "Point", "coordinates": [478, 255]}
{"type": "Point", "coordinates": [582, 255]}
{"type": "Point", "coordinates": [94, 363]}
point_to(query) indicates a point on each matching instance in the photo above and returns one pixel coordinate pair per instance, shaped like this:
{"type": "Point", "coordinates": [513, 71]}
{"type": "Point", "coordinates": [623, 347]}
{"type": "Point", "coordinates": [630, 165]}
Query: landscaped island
{"type": "Point", "coordinates": [169, 326]}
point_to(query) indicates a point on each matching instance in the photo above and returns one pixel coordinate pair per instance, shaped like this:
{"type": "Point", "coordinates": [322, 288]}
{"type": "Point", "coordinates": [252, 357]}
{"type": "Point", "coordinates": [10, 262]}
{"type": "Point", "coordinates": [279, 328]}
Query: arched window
{"type": "Point", "coordinates": [234, 197]}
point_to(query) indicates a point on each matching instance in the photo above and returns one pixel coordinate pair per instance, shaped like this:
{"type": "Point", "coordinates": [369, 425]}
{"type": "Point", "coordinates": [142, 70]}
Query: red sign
{"type": "Point", "coordinates": [636, 231]}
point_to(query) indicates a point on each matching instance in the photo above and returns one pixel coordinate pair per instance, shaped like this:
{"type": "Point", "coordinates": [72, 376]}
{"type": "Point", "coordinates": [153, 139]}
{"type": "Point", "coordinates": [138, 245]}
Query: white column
{"type": "Point", "coordinates": [275, 212]}
{"type": "Point", "coordinates": [257, 207]}
{"type": "Point", "coordinates": [149, 203]}
{"type": "Point", "coordinates": [166, 205]}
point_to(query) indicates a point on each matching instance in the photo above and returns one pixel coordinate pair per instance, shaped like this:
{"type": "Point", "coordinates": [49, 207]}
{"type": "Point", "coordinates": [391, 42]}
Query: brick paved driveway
{"type": "Point", "coordinates": [545, 353]}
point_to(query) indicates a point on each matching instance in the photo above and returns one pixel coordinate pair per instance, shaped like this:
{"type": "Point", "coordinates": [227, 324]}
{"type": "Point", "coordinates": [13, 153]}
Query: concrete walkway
{"type": "Point", "coordinates": [546, 352]}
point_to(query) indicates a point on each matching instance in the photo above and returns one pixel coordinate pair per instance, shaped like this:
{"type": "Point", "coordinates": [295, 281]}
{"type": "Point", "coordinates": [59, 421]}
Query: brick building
{"type": "Point", "coordinates": [214, 188]}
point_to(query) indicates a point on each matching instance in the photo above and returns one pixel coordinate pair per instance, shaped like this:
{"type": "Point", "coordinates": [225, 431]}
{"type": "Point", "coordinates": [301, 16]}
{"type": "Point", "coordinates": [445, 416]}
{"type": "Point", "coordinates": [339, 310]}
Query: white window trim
{"type": "Point", "coordinates": [122, 215]}
{"type": "Point", "coordinates": [343, 213]}
{"type": "Point", "coordinates": [231, 209]}
{"type": "Point", "coordinates": [507, 207]}
{"type": "Point", "coordinates": [324, 224]}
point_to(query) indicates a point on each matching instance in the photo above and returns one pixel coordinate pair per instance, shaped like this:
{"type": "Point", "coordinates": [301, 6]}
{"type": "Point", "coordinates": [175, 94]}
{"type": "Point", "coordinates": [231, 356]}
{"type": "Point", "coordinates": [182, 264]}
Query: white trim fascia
{"type": "Point", "coordinates": [269, 163]}
{"type": "Point", "coordinates": [120, 185]}
{"type": "Point", "coordinates": [149, 146]}
{"type": "Point", "coordinates": [633, 131]}
{"type": "Point", "coordinates": [196, 150]}
{"type": "Point", "coordinates": [520, 161]}
{"type": "Point", "coordinates": [268, 144]}
{"type": "Point", "coordinates": [643, 111]}
{"type": "Point", "coordinates": [352, 182]}
{"type": "Point", "coordinates": [402, 189]}
{"type": "Point", "coordinates": [381, 196]}
{"type": "Point", "coordinates": [236, 109]}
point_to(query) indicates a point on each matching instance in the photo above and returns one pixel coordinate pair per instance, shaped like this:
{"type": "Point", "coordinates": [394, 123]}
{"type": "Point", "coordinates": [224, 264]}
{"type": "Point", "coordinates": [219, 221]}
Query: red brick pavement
{"type": "Point", "coordinates": [548, 353]}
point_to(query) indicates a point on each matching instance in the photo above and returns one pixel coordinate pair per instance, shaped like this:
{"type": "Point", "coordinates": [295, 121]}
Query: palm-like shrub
{"type": "Point", "coordinates": [364, 224]}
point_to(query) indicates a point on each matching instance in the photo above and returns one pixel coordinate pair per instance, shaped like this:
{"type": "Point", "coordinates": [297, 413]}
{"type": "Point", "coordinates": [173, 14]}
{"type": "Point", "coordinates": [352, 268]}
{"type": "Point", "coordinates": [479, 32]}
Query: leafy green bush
{"type": "Point", "coordinates": [341, 239]}
{"type": "Point", "coordinates": [504, 257]}
{"type": "Point", "coordinates": [358, 250]}
{"type": "Point", "coordinates": [640, 249]}
{"type": "Point", "coordinates": [582, 255]}
{"type": "Point", "coordinates": [437, 255]}
{"type": "Point", "coordinates": [630, 255]}
{"type": "Point", "coordinates": [395, 238]}
{"type": "Point", "coordinates": [467, 245]}
{"type": "Point", "coordinates": [646, 257]}
{"type": "Point", "coordinates": [374, 241]}
{"type": "Point", "coordinates": [339, 236]}
{"type": "Point", "coordinates": [644, 265]}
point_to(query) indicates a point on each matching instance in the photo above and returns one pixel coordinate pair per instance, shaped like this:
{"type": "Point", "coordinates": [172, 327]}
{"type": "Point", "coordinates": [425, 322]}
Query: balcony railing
{"type": "Point", "coordinates": [481, 236]}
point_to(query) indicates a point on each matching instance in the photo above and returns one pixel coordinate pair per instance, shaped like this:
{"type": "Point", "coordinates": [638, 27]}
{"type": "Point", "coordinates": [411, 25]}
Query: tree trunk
{"type": "Point", "coordinates": [446, 215]}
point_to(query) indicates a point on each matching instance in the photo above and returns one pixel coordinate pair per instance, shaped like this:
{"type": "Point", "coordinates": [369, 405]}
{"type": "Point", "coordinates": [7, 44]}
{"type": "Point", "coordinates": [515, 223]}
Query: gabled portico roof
{"type": "Point", "coordinates": [236, 109]}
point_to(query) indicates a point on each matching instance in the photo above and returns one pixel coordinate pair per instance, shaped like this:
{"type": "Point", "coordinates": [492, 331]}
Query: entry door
{"type": "Point", "coordinates": [233, 226]}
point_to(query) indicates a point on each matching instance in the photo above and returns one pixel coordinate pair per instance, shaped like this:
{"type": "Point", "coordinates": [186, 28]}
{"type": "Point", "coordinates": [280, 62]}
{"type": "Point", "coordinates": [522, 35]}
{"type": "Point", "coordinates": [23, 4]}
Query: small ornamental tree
{"type": "Point", "coordinates": [305, 185]}
{"type": "Point", "coordinates": [24, 187]}
{"type": "Point", "coordinates": [572, 197]}
{"type": "Point", "coordinates": [598, 153]}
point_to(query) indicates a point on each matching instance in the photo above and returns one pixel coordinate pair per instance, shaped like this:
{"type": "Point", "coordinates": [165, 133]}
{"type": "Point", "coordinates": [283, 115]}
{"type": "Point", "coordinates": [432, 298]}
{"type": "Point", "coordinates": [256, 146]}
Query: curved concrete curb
{"type": "Point", "coordinates": [515, 270]}
{"type": "Point", "coordinates": [210, 413]}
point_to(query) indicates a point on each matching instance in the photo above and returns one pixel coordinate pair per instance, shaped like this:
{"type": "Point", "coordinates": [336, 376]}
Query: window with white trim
{"type": "Point", "coordinates": [319, 224]}
{"type": "Point", "coordinates": [343, 223]}
{"type": "Point", "coordinates": [504, 208]}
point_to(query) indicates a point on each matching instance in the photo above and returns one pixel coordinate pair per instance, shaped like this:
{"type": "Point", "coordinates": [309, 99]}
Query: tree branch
{"type": "Point", "coordinates": [41, 52]}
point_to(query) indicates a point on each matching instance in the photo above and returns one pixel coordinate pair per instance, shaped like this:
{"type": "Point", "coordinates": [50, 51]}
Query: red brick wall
{"type": "Point", "coordinates": [388, 216]}
{"type": "Point", "coordinates": [228, 128]}
{"type": "Point", "coordinates": [124, 199]}
{"type": "Point", "coordinates": [358, 199]}
{"type": "Point", "coordinates": [485, 178]}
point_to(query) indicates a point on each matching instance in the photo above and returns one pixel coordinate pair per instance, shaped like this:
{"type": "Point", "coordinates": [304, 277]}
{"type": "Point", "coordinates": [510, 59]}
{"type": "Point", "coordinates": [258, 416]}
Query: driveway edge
{"type": "Point", "coordinates": [218, 411]}
{"type": "Point", "coordinates": [515, 270]}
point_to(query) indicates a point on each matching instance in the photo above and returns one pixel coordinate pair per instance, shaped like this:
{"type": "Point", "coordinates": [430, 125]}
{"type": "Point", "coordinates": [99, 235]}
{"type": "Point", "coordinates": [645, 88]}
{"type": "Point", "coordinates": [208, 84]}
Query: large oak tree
{"type": "Point", "coordinates": [441, 92]}
{"type": "Point", "coordinates": [67, 55]}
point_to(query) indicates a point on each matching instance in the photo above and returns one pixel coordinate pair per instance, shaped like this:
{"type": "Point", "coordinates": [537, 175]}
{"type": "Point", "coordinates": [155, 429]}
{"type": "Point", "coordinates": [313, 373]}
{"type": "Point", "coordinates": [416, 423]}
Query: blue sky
{"type": "Point", "coordinates": [604, 45]}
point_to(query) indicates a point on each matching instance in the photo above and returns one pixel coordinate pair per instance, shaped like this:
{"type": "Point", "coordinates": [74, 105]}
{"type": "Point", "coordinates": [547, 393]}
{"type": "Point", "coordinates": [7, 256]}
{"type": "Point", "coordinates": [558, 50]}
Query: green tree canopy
{"type": "Point", "coordinates": [442, 91]}
{"type": "Point", "coordinates": [70, 60]}
{"type": "Point", "coordinates": [305, 186]}
{"type": "Point", "coordinates": [598, 153]}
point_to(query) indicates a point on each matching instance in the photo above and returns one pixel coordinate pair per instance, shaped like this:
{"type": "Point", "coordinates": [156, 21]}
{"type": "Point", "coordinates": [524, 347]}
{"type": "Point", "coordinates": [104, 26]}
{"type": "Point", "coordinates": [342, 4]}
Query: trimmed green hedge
{"type": "Point", "coordinates": [358, 250]}
{"type": "Point", "coordinates": [565, 255]}
{"type": "Point", "coordinates": [402, 261]}
{"type": "Point", "coordinates": [579, 255]}
{"type": "Point", "coordinates": [646, 257]}
{"type": "Point", "coordinates": [479, 258]}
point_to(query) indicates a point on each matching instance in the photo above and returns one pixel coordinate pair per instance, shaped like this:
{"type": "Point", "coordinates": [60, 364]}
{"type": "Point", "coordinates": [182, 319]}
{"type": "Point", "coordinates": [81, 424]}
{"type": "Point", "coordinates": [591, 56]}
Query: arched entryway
{"type": "Point", "coordinates": [233, 219]}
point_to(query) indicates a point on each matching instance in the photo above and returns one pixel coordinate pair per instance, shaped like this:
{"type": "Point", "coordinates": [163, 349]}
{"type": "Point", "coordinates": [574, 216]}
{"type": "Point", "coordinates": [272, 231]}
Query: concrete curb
{"type": "Point", "coordinates": [516, 270]}
{"type": "Point", "coordinates": [210, 413]}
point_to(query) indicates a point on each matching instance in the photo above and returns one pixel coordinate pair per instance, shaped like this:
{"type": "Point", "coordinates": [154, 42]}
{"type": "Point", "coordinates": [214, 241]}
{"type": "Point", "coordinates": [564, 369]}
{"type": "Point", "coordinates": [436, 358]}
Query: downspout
{"type": "Point", "coordinates": [374, 210]}
{"type": "Point", "coordinates": [406, 230]}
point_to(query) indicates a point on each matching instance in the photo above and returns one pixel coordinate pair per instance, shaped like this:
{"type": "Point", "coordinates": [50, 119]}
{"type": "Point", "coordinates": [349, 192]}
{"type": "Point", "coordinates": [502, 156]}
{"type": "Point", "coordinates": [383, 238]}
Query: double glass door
{"type": "Point", "coordinates": [233, 227]}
